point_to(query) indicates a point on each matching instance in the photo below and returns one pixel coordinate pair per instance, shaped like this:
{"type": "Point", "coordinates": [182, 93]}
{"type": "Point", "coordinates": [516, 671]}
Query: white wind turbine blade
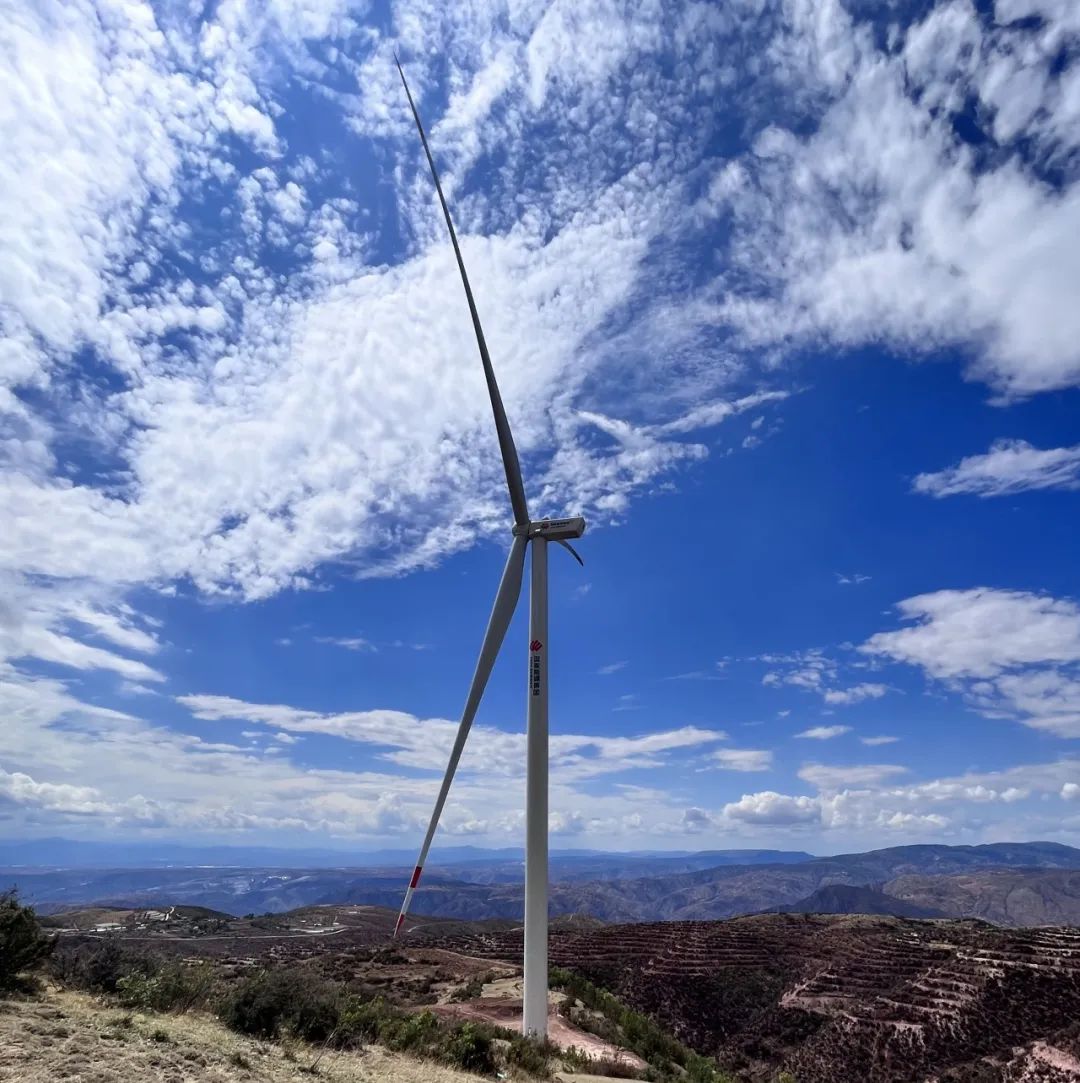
{"type": "Point", "coordinates": [502, 426]}
{"type": "Point", "coordinates": [501, 614]}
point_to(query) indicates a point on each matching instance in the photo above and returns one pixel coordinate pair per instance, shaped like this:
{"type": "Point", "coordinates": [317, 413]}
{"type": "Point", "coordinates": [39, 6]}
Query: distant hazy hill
{"type": "Point", "coordinates": [473, 863]}
{"type": "Point", "coordinates": [856, 899]}
{"type": "Point", "coordinates": [1016, 897]}
{"type": "Point", "coordinates": [1009, 883]}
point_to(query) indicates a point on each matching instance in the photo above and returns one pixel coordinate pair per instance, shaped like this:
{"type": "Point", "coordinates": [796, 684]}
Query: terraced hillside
{"type": "Point", "coordinates": [843, 998]}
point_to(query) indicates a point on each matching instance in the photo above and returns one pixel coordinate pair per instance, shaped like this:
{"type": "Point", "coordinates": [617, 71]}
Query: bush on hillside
{"type": "Point", "coordinates": [530, 1056]}
{"type": "Point", "coordinates": [470, 1048]}
{"type": "Point", "coordinates": [416, 1034]}
{"type": "Point", "coordinates": [172, 988]}
{"type": "Point", "coordinates": [666, 1055]}
{"type": "Point", "coordinates": [276, 1002]}
{"type": "Point", "coordinates": [280, 1003]}
{"type": "Point", "coordinates": [363, 1020]}
{"type": "Point", "coordinates": [99, 967]}
{"type": "Point", "coordinates": [23, 943]}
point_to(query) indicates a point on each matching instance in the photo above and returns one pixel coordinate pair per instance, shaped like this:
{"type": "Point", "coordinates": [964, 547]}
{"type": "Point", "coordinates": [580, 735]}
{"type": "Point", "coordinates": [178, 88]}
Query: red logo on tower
{"type": "Point", "coordinates": [535, 645]}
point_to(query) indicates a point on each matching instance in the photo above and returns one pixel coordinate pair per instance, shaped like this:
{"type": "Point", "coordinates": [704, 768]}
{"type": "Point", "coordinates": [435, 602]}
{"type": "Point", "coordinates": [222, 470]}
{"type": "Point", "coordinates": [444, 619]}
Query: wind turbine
{"type": "Point", "coordinates": [536, 534]}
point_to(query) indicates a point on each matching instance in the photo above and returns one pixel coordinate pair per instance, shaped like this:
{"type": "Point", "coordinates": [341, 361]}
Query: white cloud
{"type": "Point", "coordinates": [1011, 653]}
{"type": "Point", "coordinates": [349, 643]}
{"type": "Point", "coordinates": [1046, 699]}
{"type": "Point", "coordinates": [214, 786]}
{"type": "Point", "coordinates": [815, 671]}
{"type": "Point", "coordinates": [742, 759]}
{"type": "Point", "coordinates": [824, 733]}
{"type": "Point", "coordinates": [882, 224]}
{"type": "Point", "coordinates": [41, 621]}
{"type": "Point", "coordinates": [715, 674]}
{"type": "Point", "coordinates": [873, 742]}
{"type": "Point", "coordinates": [425, 744]}
{"type": "Point", "coordinates": [855, 694]}
{"type": "Point", "coordinates": [696, 819]}
{"type": "Point", "coordinates": [612, 667]}
{"type": "Point", "coordinates": [21, 789]}
{"type": "Point", "coordinates": [981, 632]}
{"type": "Point", "coordinates": [235, 340]}
{"type": "Point", "coordinates": [811, 670]}
{"type": "Point", "coordinates": [860, 801]}
{"type": "Point", "coordinates": [769, 807]}
{"type": "Point", "coordinates": [1010, 466]}
{"type": "Point", "coordinates": [834, 777]}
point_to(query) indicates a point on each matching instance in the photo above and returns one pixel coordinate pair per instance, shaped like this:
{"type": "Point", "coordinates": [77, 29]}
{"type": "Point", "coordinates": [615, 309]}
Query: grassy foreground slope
{"type": "Point", "coordinates": [73, 1036]}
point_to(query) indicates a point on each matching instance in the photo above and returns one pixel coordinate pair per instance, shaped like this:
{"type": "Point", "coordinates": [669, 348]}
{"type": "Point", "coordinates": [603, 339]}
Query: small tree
{"type": "Point", "coordinates": [23, 944]}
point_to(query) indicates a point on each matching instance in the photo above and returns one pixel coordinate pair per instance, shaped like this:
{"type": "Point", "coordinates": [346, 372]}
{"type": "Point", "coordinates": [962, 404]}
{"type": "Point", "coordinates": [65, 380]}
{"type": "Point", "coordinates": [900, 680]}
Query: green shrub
{"type": "Point", "coordinates": [23, 944]}
{"type": "Point", "coordinates": [362, 1020]}
{"type": "Point", "coordinates": [530, 1056]}
{"type": "Point", "coordinates": [470, 1048]}
{"type": "Point", "coordinates": [173, 987]}
{"type": "Point", "coordinates": [410, 1033]}
{"type": "Point", "coordinates": [276, 1002]}
{"type": "Point", "coordinates": [98, 967]}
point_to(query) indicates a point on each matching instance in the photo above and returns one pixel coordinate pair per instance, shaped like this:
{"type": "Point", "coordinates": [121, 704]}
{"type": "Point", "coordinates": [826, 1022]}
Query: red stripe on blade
{"type": "Point", "coordinates": [416, 876]}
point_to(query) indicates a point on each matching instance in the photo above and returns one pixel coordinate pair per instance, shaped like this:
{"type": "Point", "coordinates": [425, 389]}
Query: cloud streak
{"type": "Point", "coordinates": [1010, 466]}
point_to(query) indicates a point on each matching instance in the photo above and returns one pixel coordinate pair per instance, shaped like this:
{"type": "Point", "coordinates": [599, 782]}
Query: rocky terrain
{"type": "Point", "coordinates": [1013, 897]}
{"type": "Point", "coordinates": [842, 998]}
{"type": "Point", "coordinates": [823, 998]}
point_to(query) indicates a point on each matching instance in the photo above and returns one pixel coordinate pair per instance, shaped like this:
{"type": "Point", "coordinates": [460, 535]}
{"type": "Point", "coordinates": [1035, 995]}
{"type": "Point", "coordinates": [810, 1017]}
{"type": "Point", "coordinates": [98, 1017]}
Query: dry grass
{"type": "Point", "coordinates": [73, 1037]}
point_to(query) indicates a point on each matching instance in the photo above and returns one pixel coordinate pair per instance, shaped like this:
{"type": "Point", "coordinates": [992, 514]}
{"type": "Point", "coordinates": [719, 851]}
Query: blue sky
{"type": "Point", "coordinates": [781, 296]}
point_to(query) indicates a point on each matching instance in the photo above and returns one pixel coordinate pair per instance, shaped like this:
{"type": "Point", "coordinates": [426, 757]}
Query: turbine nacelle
{"type": "Point", "coordinates": [556, 530]}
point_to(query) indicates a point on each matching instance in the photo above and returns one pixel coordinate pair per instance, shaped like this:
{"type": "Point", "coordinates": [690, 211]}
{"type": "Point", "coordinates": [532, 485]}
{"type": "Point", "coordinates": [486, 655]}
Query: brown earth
{"type": "Point", "coordinates": [350, 944]}
{"type": "Point", "coordinates": [874, 999]}
{"type": "Point", "coordinates": [830, 999]}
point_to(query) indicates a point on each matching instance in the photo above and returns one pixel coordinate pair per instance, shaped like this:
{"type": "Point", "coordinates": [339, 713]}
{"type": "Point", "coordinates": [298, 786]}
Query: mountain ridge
{"type": "Point", "coordinates": [961, 881]}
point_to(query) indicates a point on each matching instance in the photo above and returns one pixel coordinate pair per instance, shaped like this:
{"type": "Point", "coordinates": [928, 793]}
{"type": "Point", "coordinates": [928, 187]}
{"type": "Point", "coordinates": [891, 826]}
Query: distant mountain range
{"type": "Point", "coordinates": [52, 853]}
{"type": "Point", "coordinates": [1018, 884]}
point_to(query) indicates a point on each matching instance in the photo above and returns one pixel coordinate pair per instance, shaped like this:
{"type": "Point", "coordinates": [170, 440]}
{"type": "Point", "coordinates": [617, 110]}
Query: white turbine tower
{"type": "Point", "coordinates": [537, 534]}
